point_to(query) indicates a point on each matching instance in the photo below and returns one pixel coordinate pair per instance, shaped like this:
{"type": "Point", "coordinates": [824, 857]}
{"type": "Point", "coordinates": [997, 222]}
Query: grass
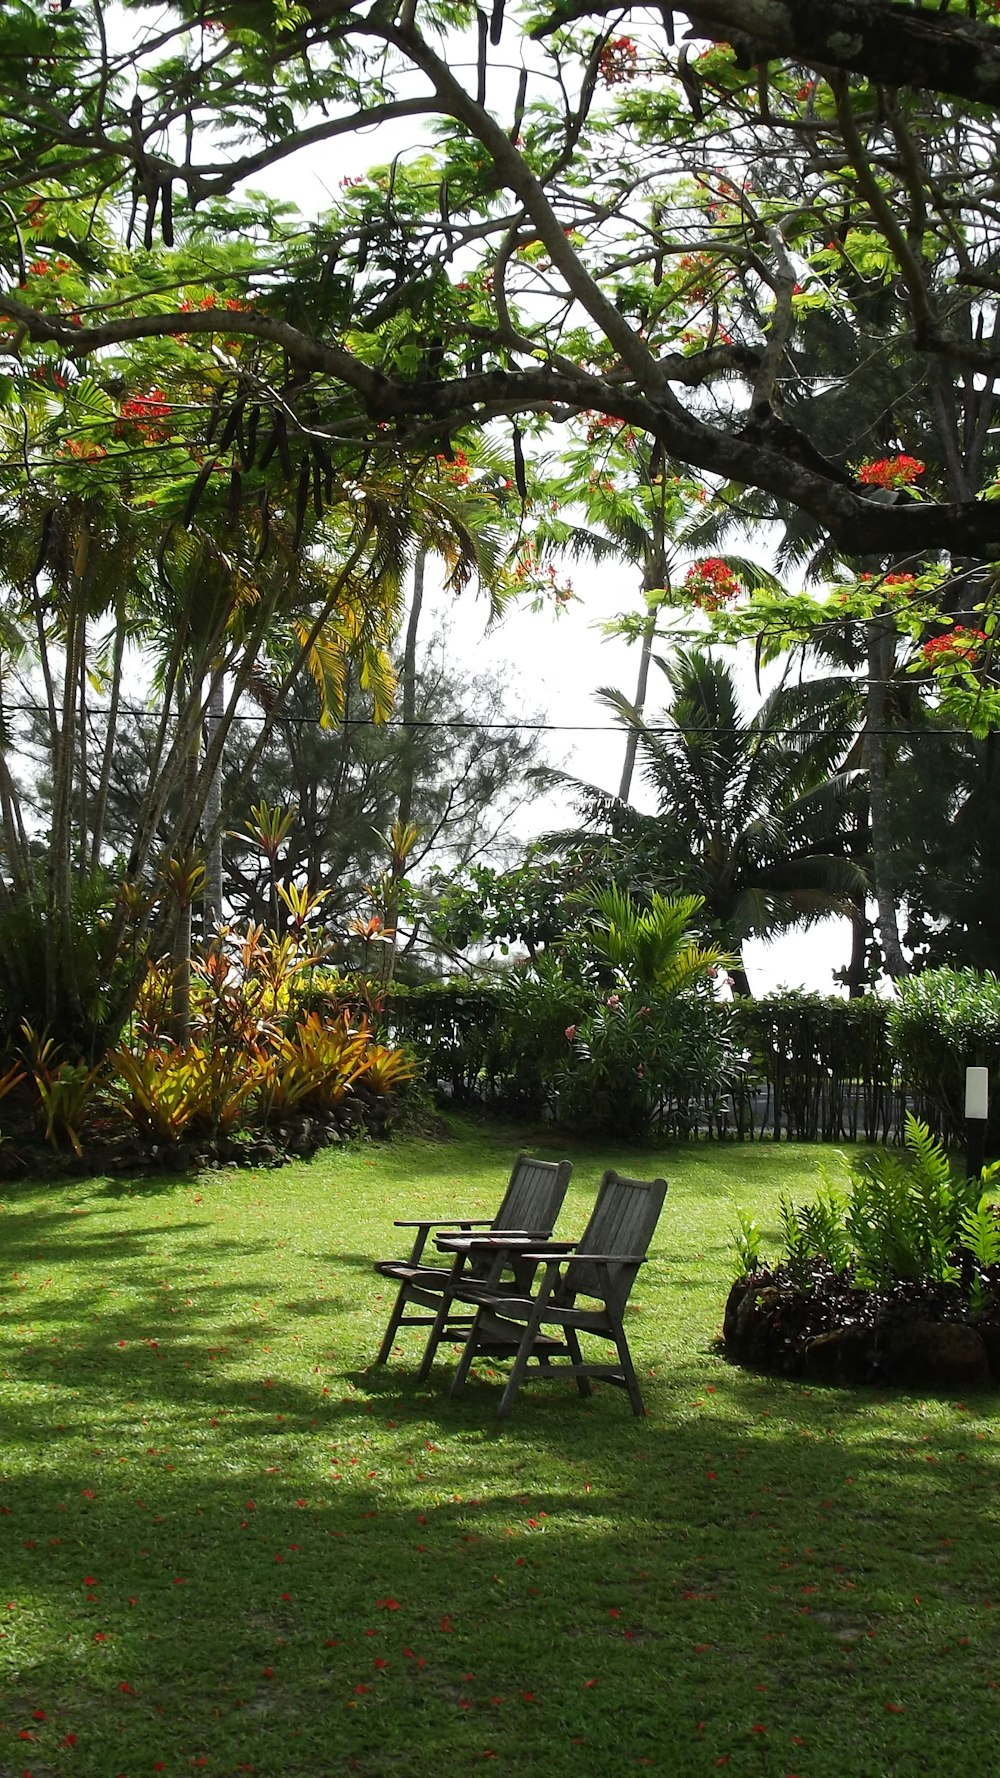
{"type": "Point", "coordinates": [225, 1546]}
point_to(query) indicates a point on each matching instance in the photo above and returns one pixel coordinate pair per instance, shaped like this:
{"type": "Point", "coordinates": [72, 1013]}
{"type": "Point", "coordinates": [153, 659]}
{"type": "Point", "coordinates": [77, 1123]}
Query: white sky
{"type": "Point", "coordinates": [553, 662]}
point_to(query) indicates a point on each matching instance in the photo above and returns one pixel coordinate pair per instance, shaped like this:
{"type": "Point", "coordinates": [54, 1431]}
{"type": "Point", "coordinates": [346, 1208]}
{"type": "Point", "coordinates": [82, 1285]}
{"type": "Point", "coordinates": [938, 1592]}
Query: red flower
{"type": "Point", "coordinates": [890, 472]}
{"type": "Point", "coordinates": [958, 644]}
{"type": "Point", "coordinates": [710, 583]}
{"type": "Point", "coordinates": [617, 61]}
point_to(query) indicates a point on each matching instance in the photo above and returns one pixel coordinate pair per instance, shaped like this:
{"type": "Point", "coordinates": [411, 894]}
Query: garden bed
{"type": "Point", "coordinates": [109, 1145]}
{"type": "Point", "coordinates": [917, 1334]}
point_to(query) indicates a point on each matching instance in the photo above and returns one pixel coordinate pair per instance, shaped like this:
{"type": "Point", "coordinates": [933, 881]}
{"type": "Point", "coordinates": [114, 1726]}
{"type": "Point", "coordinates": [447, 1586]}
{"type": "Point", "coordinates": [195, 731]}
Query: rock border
{"type": "Point", "coordinates": [914, 1336]}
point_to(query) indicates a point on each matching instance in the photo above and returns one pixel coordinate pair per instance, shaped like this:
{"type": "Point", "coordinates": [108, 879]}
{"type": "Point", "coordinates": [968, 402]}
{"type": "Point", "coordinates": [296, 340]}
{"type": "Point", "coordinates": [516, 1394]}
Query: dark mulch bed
{"type": "Point", "coordinates": [916, 1334]}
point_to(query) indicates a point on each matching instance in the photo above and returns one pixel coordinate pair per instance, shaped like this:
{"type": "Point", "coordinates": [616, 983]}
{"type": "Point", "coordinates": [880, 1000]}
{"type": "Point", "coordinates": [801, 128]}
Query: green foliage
{"type": "Point", "coordinates": [814, 1231]}
{"type": "Point", "coordinates": [904, 1217]}
{"type": "Point", "coordinates": [652, 948]}
{"type": "Point", "coordinates": [904, 1214]}
{"type": "Point", "coordinates": [66, 1090]}
{"type": "Point", "coordinates": [69, 985]}
{"type": "Point", "coordinates": [980, 1231]}
{"type": "Point", "coordinates": [642, 1061]}
{"type": "Point", "coordinates": [942, 1022]}
{"type": "Point", "coordinates": [746, 1244]}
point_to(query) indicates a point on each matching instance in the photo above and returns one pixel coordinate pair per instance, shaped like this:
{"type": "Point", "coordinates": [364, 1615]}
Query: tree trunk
{"type": "Point", "coordinates": [180, 947]}
{"type": "Point", "coordinates": [107, 758]}
{"type": "Point", "coordinates": [83, 764]}
{"type": "Point", "coordinates": [632, 740]}
{"type": "Point", "coordinates": [880, 657]}
{"type": "Point", "coordinates": [214, 713]}
{"type": "Point", "coordinates": [407, 762]}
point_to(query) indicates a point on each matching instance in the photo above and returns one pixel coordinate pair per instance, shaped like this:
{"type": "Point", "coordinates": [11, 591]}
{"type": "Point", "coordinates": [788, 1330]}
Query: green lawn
{"type": "Point", "coordinates": [226, 1547]}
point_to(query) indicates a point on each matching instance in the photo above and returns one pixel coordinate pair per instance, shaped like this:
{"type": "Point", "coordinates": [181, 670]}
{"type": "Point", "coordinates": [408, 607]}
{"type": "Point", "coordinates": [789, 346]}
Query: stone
{"type": "Point", "coordinates": [988, 1328]}
{"type": "Point", "coordinates": [844, 1355]}
{"type": "Point", "coordinates": [937, 1354]}
{"type": "Point", "coordinates": [751, 1324]}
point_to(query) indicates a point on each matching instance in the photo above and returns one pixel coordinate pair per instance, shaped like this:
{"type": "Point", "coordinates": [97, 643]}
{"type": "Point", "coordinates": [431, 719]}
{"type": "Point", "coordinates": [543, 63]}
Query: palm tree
{"type": "Point", "coordinates": [634, 509]}
{"type": "Point", "coordinates": [751, 810]}
{"type": "Point", "coordinates": [654, 948]}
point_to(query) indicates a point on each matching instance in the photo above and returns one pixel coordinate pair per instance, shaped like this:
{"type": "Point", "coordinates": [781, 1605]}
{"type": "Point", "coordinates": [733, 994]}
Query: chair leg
{"type": "Point", "coordinates": [441, 1318]}
{"type": "Point", "coordinates": [468, 1354]}
{"type": "Point", "coordinates": [584, 1384]}
{"type": "Point", "coordinates": [434, 1338]}
{"type": "Point", "coordinates": [521, 1361]}
{"type": "Point", "coordinates": [394, 1320]}
{"type": "Point", "coordinates": [628, 1370]}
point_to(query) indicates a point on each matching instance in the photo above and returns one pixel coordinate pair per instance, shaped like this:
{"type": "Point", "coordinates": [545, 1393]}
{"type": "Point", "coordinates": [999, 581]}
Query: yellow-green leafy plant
{"type": "Point", "coordinates": [387, 1069]}
{"type": "Point", "coordinates": [315, 1066]}
{"type": "Point", "coordinates": [166, 1092]}
{"type": "Point", "coordinates": [66, 1090]}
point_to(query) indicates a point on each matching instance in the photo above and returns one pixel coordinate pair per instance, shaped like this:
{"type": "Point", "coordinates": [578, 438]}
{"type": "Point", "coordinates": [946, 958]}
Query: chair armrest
{"type": "Point", "coordinates": [444, 1222]}
{"type": "Point", "coordinates": [618, 1259]}
{"type": "Point", "coordinates": [513, 1238]}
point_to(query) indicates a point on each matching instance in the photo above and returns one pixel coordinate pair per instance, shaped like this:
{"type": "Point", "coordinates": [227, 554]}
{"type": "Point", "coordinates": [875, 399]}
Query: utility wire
{"type": "Point", "coordinates": [464, 724]}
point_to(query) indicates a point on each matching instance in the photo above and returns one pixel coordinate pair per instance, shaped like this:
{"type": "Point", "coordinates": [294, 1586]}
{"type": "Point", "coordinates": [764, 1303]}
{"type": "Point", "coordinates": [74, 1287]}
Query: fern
{"type": "Point", "coordinates": [980, 1231]}
{"type": "Point", "coordinates": [746, 1244]}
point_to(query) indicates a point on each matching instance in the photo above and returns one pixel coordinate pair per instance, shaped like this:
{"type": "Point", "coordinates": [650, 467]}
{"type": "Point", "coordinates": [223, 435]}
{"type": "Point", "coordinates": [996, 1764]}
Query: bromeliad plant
{"type": "Point", "coordinates": [66, 1090]}
{"type": "Point", "coordinates": [315, 1066]}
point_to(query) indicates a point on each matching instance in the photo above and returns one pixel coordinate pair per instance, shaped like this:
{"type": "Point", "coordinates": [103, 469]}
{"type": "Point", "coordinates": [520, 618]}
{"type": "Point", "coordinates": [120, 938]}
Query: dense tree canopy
{"type": "Point", "coordinates": [634, 225]}
{"type": "Point", "coordinates": [753, 245]}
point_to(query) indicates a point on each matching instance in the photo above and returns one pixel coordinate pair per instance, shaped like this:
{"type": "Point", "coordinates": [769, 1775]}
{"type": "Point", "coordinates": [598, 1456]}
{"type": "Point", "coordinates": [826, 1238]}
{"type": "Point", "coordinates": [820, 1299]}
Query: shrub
{"type": "Point", "coordinates": [826, 1063]}
{"type": "Point", "coordinates": [66, 1090]}
{"type": "Point", "coordinates": [944, 1021]}
{"type": "Point", "coordinates": [167, 1092]}
{"type": "Point", "coordinates": [637, 1062]}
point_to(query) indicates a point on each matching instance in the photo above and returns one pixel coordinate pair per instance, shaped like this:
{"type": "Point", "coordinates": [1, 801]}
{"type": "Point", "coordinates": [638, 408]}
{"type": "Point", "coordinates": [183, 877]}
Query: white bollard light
{"type": "Point", "coordinates": [977, 1093]}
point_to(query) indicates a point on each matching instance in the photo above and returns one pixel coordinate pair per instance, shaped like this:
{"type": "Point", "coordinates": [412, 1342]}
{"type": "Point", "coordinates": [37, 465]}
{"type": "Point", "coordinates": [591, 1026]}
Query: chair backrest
{"type": "Point", "coordinates": [622, 1221]}
{"type": "Point", "coordinates": [534, 1195]}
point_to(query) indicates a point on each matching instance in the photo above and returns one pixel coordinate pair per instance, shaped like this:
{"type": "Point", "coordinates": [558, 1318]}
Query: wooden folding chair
{"type": "Point", "coordinates": [529, 1208]}
{"type": "Point", "coordinates": [601, 1269]}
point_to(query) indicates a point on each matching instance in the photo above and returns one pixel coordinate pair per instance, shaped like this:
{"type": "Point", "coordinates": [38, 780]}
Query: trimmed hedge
{"type": "Point", "coordinates": [944, 1021]}
{"type": "Point", "coordinates": [806, 1067]}
{"type": "Point", "coordinates": [819, 1070]}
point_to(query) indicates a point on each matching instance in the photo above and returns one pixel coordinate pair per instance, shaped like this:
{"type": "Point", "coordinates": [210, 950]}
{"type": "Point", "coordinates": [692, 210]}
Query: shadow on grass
{"type": "Point", "coordinates": [217, 1552]}
{"type": "Point", "coordinates": [401, 1590]}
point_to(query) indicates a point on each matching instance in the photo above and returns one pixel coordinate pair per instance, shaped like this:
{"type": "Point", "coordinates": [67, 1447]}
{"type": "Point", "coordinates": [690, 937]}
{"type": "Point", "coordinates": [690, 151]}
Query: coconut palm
{"type": "Point", "coordinates": [753, 811]}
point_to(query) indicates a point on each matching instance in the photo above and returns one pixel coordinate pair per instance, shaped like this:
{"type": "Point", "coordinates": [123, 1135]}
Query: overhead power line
{"type": "Point", "coordinates": [471, 725]}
